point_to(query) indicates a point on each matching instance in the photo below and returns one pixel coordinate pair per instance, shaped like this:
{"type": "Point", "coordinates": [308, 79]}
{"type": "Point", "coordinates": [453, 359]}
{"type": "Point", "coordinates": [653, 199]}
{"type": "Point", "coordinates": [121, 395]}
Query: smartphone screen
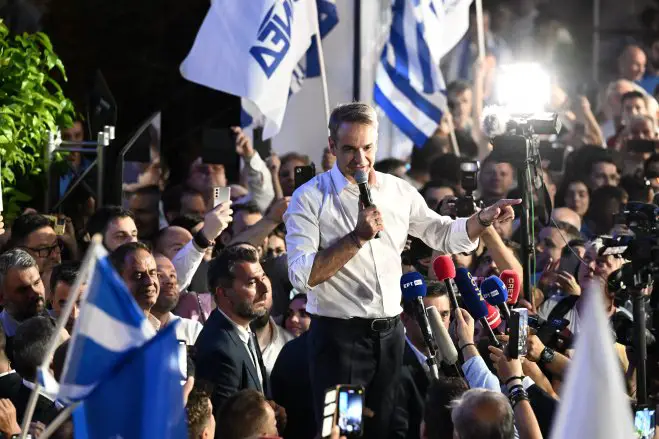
{"type": "Point", "coordinates": [304, 174]}
{"type": "Point", "coordinates": [221, 195]}
{"type": "Point", "coordinates": [644, 423]}
{"type": "Point", "coordinates": [522, 348]}
{"type": "Point", "coordinates": [518, 326]}
{"type": "Point", "coordinates": [183, 360]}
{"type": "Point", "coordinates": [351, 401]}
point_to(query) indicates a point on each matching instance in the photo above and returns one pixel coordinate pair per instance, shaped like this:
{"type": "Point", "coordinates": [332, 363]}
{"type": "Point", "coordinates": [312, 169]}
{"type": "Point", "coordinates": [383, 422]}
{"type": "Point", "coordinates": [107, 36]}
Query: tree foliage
{"type": "Point", "coordinates": [31, 103]}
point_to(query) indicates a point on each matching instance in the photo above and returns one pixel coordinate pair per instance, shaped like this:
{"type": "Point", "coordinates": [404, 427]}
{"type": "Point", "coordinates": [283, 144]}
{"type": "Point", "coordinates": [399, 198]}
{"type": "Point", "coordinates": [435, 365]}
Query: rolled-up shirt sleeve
{"type": "Point", "coordinates": [302, 240]}
{"type": "Point", "coordinates": [479, 376]}
{"type": "Point", "coordinates": [259, 181]}
{"type": "Point", "coordinates": [186, 261]}
{"type": "Point", "coordinates": [438, 232]}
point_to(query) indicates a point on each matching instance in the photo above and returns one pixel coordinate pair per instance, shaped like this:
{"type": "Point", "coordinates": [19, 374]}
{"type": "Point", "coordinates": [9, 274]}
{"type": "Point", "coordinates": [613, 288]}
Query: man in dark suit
{"type": "Point", "coordinates": [10, 381]}
{"type": "Point", "coordinates": [227, 353]}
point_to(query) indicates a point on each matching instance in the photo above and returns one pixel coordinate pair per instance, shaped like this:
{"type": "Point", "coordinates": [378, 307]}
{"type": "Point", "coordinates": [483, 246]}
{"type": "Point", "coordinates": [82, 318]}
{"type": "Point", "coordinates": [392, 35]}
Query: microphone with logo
{"type": "Point", "coordinates": [444, 269]}
{"type": "Point", "coordinates": [413, 288]}
{"type": "Point", "coordinates": [496, 294]}
{"type": "Point", "coordinates": [475, 304]}
{"type": "Point", "coordinates": [364, 191]}
{"type": "Point", "coordinates": [513, 284]}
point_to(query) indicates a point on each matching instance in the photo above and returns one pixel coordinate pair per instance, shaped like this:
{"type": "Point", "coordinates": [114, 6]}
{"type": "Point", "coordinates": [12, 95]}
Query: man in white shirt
{"type": "Point", "coordinates": [187, 330]}
{"type": "Point", "coordinates": [351, 279]}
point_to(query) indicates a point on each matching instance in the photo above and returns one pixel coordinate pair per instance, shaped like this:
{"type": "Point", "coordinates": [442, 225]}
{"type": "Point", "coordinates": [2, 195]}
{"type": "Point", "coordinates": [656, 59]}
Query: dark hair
{"type": "Point", "coordinates": [188, 222]}
{"type": "Point", "coordinates": [296, 297]}
{"type": "Point", "coordinates": [600, 156]}
{"type": "Point", "coordinates": [559, 199]}
{"type": "Point", "coordinates": [220, 269]}
{"type": "Point", "coordinates": [59, 358]}
{"type": "Point", "coordinates": [242, 415]}
{"type": "Point", "coordinates": [637, 188]}
{"type": "Point", "coordinates": [388, 165]}
{"type": "Point", "coordinates": [422, 156]}
{"type": "Point", "coordinates": [634, 94]}
{"type": "Point", "coordinates": [172, 196]}
{"type": "Point", "coordinates": [249, 207]}
{"type": "Point", "coordinates": [437, 411]}
{"type": "Point", "coordinates": [31, 345]}
{"type": "Point", "coordinates": [435, 289]}
{"type": "Point", "coordinates": [436, 184]}
{"type": "Point", "coordinates": [354, 112]}
{"type": "Point", "coordinates": [99, 221]}
{"type": "Point", "coordinates": [571, 244]}
{"type": "Point", "coordinates": [457, 87]}
{"type": "Point", "coordinates": [65, 272]}
{"type": "Point", "coordinates": [151, 189]}
{"type": "Point", "coordinates": [446, 167]}
{"type": "Point", "coordinates": [24, 225]}
{"type": "Point", "coordinates": [599, 201]}
{"type": "Point", "coordinates": [118, 256]}
{"type": "Point", "coordinates": [199, 411]}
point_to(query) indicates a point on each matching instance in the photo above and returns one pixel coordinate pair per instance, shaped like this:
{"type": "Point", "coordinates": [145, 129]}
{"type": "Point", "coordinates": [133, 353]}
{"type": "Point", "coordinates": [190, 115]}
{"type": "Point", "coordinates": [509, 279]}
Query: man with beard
{"type": "Point", "coordinates": [271, 336]}
{"type": "Point", "coordinates": [187, 330]}
{"type": "Point", "coordinates": [63, 277]}
{"type": "Point", "coordinates": [21, 292]}
{"type": "Point", "coordinates": [228, 355]}
{"type": "Point", "coordinates": [136, 266]}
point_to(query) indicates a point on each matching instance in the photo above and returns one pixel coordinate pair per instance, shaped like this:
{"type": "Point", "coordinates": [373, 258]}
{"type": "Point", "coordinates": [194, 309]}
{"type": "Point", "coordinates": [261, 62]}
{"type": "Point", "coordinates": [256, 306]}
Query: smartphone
{"type": "Point", "coordinates": [344, 405]}
{"type": "Point", "coordinates": [221, 194]}
{"type": "Point", "coordinates": [643, 146]}
{"type": "Point", "coordinates": [518, 325]}
{"type": "Point", "coordinates": [183, 360]}
{"type": "Point", "coordinates": [304, 174]}
{"type": "Point", "coordinates": [218, 147]}
{"type": "Point", "coordinates": [644, 423]}
{"type": "Point", "coordinates": [570, 264]}
{"type": "Point", "coordinates": [263, 147]}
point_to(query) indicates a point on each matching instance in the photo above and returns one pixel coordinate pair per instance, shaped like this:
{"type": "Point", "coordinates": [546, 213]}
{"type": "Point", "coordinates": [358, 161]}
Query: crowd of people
{"type": "Point", "coordinates": [283, 292]}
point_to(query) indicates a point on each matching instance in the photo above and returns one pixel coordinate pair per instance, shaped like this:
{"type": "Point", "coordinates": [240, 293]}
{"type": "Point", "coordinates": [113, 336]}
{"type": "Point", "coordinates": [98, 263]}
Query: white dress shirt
{"type": "Point", "coordinates": [187, 330]}
{"type": "Point", "coordinates": [325, 210]}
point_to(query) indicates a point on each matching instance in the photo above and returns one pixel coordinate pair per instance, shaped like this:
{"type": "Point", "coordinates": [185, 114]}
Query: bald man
{"type": "Point", "coordinates": [170, 240]}
{"type": "Point", "coordinates": [566, 215]}
{"type": "Point", "coordinates": [631, 64]}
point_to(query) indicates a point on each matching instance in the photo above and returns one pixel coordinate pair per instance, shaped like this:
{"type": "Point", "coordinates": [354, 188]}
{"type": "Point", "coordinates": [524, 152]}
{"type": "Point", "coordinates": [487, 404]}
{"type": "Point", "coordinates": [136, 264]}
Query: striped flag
{"type": "Point", "coordinates": [109, 327]}
{"type": "Point", "coordinates": [409, 86]}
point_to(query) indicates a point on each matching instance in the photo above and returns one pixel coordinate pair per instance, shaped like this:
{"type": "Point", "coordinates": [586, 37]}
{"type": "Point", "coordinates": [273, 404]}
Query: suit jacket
{"type": "Point", "coordinates": [10, 384]}
{"type": "Point", "coordinates": [45, 411]}
{"type": "Point", "coordinates": [222, 359]}
{"type": "Point", "coordinates": [410, 398]}
{"type": "Point", "coordinates": [291, 389]}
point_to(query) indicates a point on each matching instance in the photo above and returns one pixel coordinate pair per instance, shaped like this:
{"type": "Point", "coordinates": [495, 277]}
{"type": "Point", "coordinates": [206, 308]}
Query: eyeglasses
{"type": "Point", "coordinates": [44, 252]}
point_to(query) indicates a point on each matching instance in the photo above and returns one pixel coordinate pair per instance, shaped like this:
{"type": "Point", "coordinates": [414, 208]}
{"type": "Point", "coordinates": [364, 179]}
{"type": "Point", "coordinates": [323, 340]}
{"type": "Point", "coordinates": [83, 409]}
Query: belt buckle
{"type": "Point", "coordinates": [379, 325]}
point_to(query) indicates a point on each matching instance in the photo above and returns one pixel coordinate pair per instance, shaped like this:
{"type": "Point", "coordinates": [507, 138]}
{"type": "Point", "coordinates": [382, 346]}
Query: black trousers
{"type": "Point", "coordinates": [351, 352]}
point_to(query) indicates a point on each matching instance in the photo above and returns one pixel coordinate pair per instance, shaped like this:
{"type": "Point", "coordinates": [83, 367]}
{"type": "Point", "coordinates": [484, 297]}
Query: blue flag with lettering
{"type": "Point", "coordinates": [250, 49]}
{"type": "Point", "coordinates": [141, 398]}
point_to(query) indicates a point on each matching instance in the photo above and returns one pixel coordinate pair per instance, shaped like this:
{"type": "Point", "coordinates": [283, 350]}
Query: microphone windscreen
{"type": "Point", "coordinates": [444, 267]}
{"type": "Point", "coordinates": [412, 285]}
{"type": "Point", "coordinates": [446, 347]}
{"type": "Point", "coordinates": [360, 177]}
{"type": "Point", "coordinates": [493, 316]}
{"type": "Point", "coordinates": [494, 291]}
{"type": "Point", "coordinates": [495, 121]}
{"type": "Point", "coordinates": [471, 295]}
{"type": "Point", "coordinates": [513, 284]}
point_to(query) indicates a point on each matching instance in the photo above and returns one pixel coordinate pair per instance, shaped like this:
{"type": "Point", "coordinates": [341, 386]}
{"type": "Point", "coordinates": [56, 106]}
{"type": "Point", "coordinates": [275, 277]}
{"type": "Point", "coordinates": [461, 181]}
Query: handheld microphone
{"type": "Point", "coordinates": [474, 302]}
{"type": "Point", "coordinates": [513, 283]}
{"type": "Point", "coordinates": [444, 269]}
{"type": "Point", "coordinates": [446, 347]}
{"type": "Point", "coordinates": [413, 288]}
{"type": "Point", "coordinates": [496, 294]}
{"type": "Point", "coordinates": [364, 191]}
{"type": "Point", "coordinates": [493, 317]}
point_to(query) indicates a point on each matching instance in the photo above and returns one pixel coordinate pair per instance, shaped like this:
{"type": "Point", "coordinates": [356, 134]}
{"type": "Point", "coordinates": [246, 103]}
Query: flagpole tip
{"type": "Point", "coordinates": [97, 239]}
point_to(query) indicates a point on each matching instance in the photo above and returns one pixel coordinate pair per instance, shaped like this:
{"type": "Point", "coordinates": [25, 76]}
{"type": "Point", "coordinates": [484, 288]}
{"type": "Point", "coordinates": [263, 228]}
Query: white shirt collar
{"type": "Point", "coordinates": [9, 372]}
{"type": "Point", "coordinates": [243, 333]}
{"type": "Point", "coordinates": [341, 182]}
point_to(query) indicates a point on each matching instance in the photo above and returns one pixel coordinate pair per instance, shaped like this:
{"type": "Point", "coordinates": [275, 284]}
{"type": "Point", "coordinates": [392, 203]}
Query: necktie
{"type": "Point", "coordinates": [256, 358]}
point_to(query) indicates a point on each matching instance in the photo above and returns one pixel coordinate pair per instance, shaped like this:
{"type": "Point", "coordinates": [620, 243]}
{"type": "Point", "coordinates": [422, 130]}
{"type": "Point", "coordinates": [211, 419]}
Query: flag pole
{"type": "Point", "coordinates": [479, 29]}
{"type": "Point", "coordinates": [323, 74]}
{"type": "Point", "coordinates": [85, 268]}
{"type": "Point", "coordinates": [58, 421]}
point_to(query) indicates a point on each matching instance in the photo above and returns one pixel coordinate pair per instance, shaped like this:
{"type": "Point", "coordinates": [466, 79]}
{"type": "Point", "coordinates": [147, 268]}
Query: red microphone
{"type": "Point", "coordinates": [493, 316]}
{"type": "Point", "coordinates": [444, 269]}
{"type": "Point", "coordinates": [513, 283]}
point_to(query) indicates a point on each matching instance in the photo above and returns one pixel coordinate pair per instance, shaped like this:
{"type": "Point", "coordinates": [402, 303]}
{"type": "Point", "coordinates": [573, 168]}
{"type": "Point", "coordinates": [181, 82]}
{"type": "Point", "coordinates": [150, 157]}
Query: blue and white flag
{"type": "Point", "coordinates": [409, 86]}
{"type": "Point", "coordinates": [250, 49]}
{"type": "Point", "coordinates": [109, 327]}
{"type": "Point", "coordinates": [307, 67]}
{"type": "Point", "coordinates": [141, 398]}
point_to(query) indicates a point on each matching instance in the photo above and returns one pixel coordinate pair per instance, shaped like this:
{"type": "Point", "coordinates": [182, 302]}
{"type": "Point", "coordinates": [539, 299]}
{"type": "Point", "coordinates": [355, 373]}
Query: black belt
{"type": "Point", "coordinates": [375, 325]}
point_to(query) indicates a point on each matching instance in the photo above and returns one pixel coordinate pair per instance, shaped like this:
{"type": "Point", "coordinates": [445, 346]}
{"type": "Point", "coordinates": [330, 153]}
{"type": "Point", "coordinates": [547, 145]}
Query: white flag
{"type": "Point", "coordinates": [250, 48]}
{"type": "Point", "coordinates": [594, 403]}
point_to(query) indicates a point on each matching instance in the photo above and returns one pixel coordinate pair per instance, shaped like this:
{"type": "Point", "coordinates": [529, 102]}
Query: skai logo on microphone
{"type": "Point", "coordinates": [416, 283]}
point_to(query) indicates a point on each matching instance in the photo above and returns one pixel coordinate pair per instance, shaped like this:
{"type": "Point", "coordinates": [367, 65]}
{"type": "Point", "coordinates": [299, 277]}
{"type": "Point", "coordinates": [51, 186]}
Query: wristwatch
{"type": "Point", "coordinates": [547, 355]}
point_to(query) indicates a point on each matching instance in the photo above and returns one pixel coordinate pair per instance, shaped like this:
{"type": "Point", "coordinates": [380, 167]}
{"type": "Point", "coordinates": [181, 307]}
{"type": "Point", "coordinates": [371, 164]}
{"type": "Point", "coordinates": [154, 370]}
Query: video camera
{"type": "Point", "coordinates": [552, 332]}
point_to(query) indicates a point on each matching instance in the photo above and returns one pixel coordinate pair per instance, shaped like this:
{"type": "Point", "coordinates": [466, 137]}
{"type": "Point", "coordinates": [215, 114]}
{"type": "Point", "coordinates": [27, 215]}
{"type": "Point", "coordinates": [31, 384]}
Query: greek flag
{"type": "Point", "coordinates": [250, 49]}
{"type": "Point", "coordinates": [409, 86]}
{"type": "Point", "coordinates": [109, 327]}
{"type": "Point", "coordinates": [307, 67]}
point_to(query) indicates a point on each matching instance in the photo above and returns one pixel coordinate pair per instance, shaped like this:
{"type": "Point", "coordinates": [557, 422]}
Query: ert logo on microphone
{"type": "Point", "coordinates": [492, 293]}
{"type": "Point", "coordinates": [415, 283]}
